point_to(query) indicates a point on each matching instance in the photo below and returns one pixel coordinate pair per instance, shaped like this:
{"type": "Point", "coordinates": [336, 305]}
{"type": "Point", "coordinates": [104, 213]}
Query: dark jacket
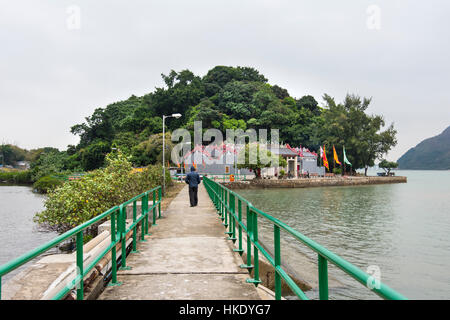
{"type": "Point", "coordinates": [193, 178]}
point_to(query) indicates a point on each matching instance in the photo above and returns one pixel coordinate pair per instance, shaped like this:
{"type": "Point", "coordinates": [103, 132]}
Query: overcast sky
{"type": "Point", "coordinates": [54, 72]}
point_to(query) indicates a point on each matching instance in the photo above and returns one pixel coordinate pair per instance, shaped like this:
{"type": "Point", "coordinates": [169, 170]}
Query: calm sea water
{"type": "Point", "coordinates": [403, 229]}
{"type": "Point", "coordinates": [18, 232]}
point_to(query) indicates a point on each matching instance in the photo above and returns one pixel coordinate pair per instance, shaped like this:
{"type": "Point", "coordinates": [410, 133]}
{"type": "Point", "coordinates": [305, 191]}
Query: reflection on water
{"type": "Point", "coordinates": [18, 232]}
{"type": "Point", "coordinates": [402, 228]}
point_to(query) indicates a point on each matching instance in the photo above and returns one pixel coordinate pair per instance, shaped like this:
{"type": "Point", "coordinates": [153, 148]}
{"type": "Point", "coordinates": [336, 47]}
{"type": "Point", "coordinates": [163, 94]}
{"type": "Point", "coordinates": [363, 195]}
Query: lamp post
{"type": "Point", "coordinates": [175, 115]}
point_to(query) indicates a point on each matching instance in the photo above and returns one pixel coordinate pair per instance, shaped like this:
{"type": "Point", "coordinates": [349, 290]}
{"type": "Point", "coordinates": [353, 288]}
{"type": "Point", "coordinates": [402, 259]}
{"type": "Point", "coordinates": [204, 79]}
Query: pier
{"type": "Point", "coordinates": [186, 256]}
{"type": "Point", "coordinates": [211, 251]}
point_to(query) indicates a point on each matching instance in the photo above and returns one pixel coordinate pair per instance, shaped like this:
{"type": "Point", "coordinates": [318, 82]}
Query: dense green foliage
{"type": "Point", "coordinates": [10, 154]}
{"type": "Point", "coordinates": [47, 183]}
{"type": "Point", "coordinates": [230, 98]}
{"type": "Point", "coordinates": [51, 161]}
{"type": "Point", "coordinates": [77, 201]}
{"type": "Point", "coordinates": [253, 158]}
{"type": "Point", "coordinates": [225, 98]}
{"type": "Point", "coordinates": [387, 165]}
{"type": "Point", "coordinates": [348, 125]}
{"type": "Point", "coordinates": [430, 154]}
{"type": "Point", "coordinates": [16, 177]}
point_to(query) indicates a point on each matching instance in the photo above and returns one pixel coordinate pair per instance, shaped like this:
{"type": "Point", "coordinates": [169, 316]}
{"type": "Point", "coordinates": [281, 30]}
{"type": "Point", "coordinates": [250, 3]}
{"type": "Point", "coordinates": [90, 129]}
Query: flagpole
{"type": "Point", "coordinates": [343, 158]}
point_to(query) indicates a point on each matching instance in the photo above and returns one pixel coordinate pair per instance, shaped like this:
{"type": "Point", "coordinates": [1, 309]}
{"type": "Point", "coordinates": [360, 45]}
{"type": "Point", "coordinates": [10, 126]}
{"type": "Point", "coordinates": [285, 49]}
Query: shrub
{"type": "Point", "coordinates": [78, 201]}
{"type": "Point", "coordinates": [20, 177]}
{"type": "Point", "coordinates": [47, 183]}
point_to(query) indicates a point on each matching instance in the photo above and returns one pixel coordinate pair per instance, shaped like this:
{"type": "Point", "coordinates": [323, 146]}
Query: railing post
{"type": "Point", "coordinates": [159, 202]}
{"type": "Point", "coordinates": [123, 236]}
{"type": "Point", "coordinates": [143, 220]}
{"type": "Point", "coordinates": [231, 221]}
{"type": "Point", "coordinates": [80, 275]}
{"type": "Point", "coordinates": [323, 278]}
{"type": "Point", "coordinates": [113, 251]}
{"type": "Point", "coordinates": [226, 205]}
{"type": "Point", "coordinates": [134, 229]}
{"type": "Point", "coordinates": [222, 202]}
{"type": "Point", "coordinates": [276, 237]}
{"type": "Point", "coordinates": [154, 208]}
{"type": "Point", "coordinates": [254, 218]}
{"type": "Point", "coordinates": [249, 243]}
{"type": "Point", "coordinates": [240, 250]}
{"type": "Point", "coordinates": [146, 213]}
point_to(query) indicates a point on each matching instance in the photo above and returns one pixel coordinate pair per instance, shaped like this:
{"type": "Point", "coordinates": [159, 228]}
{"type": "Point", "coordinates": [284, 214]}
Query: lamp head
{"type": "Point", "coordinates": [176, 115]}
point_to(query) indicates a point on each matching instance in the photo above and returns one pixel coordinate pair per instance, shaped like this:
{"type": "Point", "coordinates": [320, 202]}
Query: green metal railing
{"type": "Point", "coordinates": [225, 202]}
{"type": "Point", "coordinates": [119, 231]}
{"type": "Point", "coordinates": [217, 177]}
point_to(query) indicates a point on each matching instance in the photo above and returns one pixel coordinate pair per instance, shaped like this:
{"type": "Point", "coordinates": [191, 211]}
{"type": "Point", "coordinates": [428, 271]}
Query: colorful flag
{"type": "Point", "coordinates": [325, 161]}
{"type": "Point", "coordinates": [195, 166]}
{"type": "Point", "coordinates": [335, 156]}
{"type": "Point", "coordinates": [345, 158]}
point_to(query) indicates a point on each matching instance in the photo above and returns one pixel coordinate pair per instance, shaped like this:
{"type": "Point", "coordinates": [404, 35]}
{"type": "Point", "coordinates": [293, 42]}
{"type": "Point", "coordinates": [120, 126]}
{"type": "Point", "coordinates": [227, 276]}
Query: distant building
{"type": "Point", "coordinates": [221, 161]}
{"type": "Point", "coordinates": [218, 161]}
{"type": "Point", "coordinates": [300, 161]}
{"type": "Point", "coordinates": [23, 165]}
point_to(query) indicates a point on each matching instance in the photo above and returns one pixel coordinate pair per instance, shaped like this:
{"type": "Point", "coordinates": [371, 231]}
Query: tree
{"type": "Point", "coordinates": [10, 154]}
{"type": "Point", "coordinates": [308, 102]}
{"type": "Point", "coordinates": [263, 159]}
{"type": "Point", "coordinates": [93, 156]}
{"type": "Point", "coordinates": [348, 125]}
{"type": "Point", "coordinates": [150, 151]}
{"type": "Point", "coordinates": [49, 162]}
{"type": "Point", "coordinates": [206, 112]}
{"type": "Point", "coordinates": [387, 166]}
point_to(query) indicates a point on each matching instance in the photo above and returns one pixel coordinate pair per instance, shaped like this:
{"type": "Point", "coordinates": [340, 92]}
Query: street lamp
{"type": "Point", "coordinates": [175, 115]}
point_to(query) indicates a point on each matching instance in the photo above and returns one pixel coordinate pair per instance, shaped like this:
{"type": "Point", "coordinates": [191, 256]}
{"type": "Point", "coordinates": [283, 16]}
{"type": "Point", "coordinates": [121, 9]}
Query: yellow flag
{"type": "Point", "coordinates": [325, 161]}
{"type": "Point", "coordinates": [335, 156]}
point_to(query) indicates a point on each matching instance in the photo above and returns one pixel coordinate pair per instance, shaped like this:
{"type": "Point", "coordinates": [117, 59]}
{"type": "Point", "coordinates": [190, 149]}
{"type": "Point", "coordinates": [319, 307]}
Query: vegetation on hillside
{"type": "Point", "coordinates": [224, 98]}
{"type": "Point", "coordinates": [78, 201]}
{"type": "Point", "coordinates": [231, 98]}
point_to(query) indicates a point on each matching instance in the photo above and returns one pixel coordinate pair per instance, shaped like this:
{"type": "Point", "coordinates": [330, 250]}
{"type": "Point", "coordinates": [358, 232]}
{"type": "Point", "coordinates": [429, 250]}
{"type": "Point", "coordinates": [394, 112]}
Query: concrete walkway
{"type": "Point", "coordinates": [187, 256]}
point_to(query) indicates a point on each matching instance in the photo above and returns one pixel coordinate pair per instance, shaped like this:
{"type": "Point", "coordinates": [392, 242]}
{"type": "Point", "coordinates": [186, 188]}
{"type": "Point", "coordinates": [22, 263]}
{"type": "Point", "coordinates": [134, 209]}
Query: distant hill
{"type": "Point", "coordinates": [431, 154]}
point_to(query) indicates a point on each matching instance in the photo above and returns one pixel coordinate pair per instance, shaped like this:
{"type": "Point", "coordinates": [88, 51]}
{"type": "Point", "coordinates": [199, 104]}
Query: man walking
{"type": "Point", "coordinates": [193, 180]}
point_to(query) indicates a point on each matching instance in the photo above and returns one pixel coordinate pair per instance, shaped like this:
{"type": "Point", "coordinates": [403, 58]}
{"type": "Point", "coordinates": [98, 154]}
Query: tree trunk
{"type": "Point", "coordinates": [365, 171]}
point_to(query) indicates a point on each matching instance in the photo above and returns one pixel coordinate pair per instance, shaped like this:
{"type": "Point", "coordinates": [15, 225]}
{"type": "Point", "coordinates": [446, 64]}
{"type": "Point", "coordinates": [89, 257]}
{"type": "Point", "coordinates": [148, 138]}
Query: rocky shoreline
{"type": "Point", "coordinates": [312, 182]}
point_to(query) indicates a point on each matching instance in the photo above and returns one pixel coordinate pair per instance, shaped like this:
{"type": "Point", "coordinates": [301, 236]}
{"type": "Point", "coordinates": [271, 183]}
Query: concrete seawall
{"type": "Point", "coordinates": [312, 182]}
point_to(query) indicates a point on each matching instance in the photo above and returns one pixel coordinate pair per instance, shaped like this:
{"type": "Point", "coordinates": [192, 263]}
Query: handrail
{"type": "Point", "coordinates": [214, 177]}
{"type": "Point", "coordinates": [225, 201]}
{"type": "Point", "coordinates": [118, 217]}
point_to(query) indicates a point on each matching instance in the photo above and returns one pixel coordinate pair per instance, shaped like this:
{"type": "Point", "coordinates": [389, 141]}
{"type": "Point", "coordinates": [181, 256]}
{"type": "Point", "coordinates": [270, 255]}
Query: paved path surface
{"type": "Point", "coordinates": [187, 256]}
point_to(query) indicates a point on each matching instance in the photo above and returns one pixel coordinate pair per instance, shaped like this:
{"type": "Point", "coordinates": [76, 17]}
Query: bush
{"type": "Point", "coordinates": [19, 177]}
{"type": "Point", "coordinates": [337, 171]}
{"type": "Point", "coordinates": [78, 201]}
{"type": "Point", "coordinates": [47, 183]}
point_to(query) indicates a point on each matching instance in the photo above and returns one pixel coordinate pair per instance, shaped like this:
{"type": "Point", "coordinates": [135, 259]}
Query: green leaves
{"type": "Point", "coordinates": [362, 134]}
{"type": "Point", "coordinates": [77, 201]}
